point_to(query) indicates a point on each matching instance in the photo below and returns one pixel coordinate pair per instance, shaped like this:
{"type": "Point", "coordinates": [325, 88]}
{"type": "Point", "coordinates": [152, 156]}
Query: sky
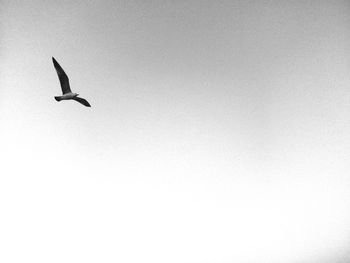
{"type": "Point", "coordinates": [218, 132]}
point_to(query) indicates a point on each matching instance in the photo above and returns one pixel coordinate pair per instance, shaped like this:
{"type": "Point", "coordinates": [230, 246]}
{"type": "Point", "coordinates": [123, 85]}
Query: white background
{"type": "Point", "coordinates": [219, 131]}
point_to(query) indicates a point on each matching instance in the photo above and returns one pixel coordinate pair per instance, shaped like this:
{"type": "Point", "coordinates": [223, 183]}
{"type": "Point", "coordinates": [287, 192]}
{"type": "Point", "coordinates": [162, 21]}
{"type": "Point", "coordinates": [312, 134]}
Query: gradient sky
{"type": "Point", "coordinates": [219, 132]}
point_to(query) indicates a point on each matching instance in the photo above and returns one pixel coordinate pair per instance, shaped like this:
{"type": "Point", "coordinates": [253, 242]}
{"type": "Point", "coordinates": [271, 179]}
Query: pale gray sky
{"type": "Point", "coordinates": [219, 131]}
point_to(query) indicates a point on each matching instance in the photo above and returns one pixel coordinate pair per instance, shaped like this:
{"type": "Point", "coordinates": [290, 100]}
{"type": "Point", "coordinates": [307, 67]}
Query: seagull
{"type": "Point", "coordinates": [67, 93]}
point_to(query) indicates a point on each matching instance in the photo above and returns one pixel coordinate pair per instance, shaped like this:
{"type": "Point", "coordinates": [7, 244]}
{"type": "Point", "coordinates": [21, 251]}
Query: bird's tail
{"type": "Point", "coordinates": [58, 98]}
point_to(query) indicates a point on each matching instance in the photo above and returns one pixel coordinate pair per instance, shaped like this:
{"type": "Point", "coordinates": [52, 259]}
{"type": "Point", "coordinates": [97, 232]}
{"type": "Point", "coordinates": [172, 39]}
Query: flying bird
{"type": "Point", "coordinates": [67, 93]}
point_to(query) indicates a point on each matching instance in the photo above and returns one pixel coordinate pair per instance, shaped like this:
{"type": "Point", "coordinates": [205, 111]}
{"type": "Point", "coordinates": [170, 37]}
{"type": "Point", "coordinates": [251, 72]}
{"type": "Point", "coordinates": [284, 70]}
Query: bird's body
{"type": "Point", "coordinates": [67, 96]}
{"type": "Point", "coordinates": [64, 81]}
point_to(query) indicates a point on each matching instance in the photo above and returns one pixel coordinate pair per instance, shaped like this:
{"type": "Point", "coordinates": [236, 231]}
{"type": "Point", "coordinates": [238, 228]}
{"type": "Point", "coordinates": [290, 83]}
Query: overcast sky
{"type": "Point", "coordinates": [219, 132]}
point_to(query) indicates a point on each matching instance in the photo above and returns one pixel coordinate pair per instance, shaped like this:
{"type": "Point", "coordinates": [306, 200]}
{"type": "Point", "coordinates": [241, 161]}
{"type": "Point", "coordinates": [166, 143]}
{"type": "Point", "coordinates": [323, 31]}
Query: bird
{"type": "Point", "coordinates": [66, 91]}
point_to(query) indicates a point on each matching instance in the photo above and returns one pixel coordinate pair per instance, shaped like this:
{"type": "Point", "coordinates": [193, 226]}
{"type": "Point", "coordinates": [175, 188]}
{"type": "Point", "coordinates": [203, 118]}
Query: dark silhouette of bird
{"type": "Point", "coordinates": [67, 93]}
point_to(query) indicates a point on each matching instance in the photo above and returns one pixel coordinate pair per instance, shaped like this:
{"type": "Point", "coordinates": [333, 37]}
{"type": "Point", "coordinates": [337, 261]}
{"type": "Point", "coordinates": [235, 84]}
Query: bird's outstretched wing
{"type": "Point", "coordinates": [82, 101]}
{"type": "Point", "coordinates": [62, 77]}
